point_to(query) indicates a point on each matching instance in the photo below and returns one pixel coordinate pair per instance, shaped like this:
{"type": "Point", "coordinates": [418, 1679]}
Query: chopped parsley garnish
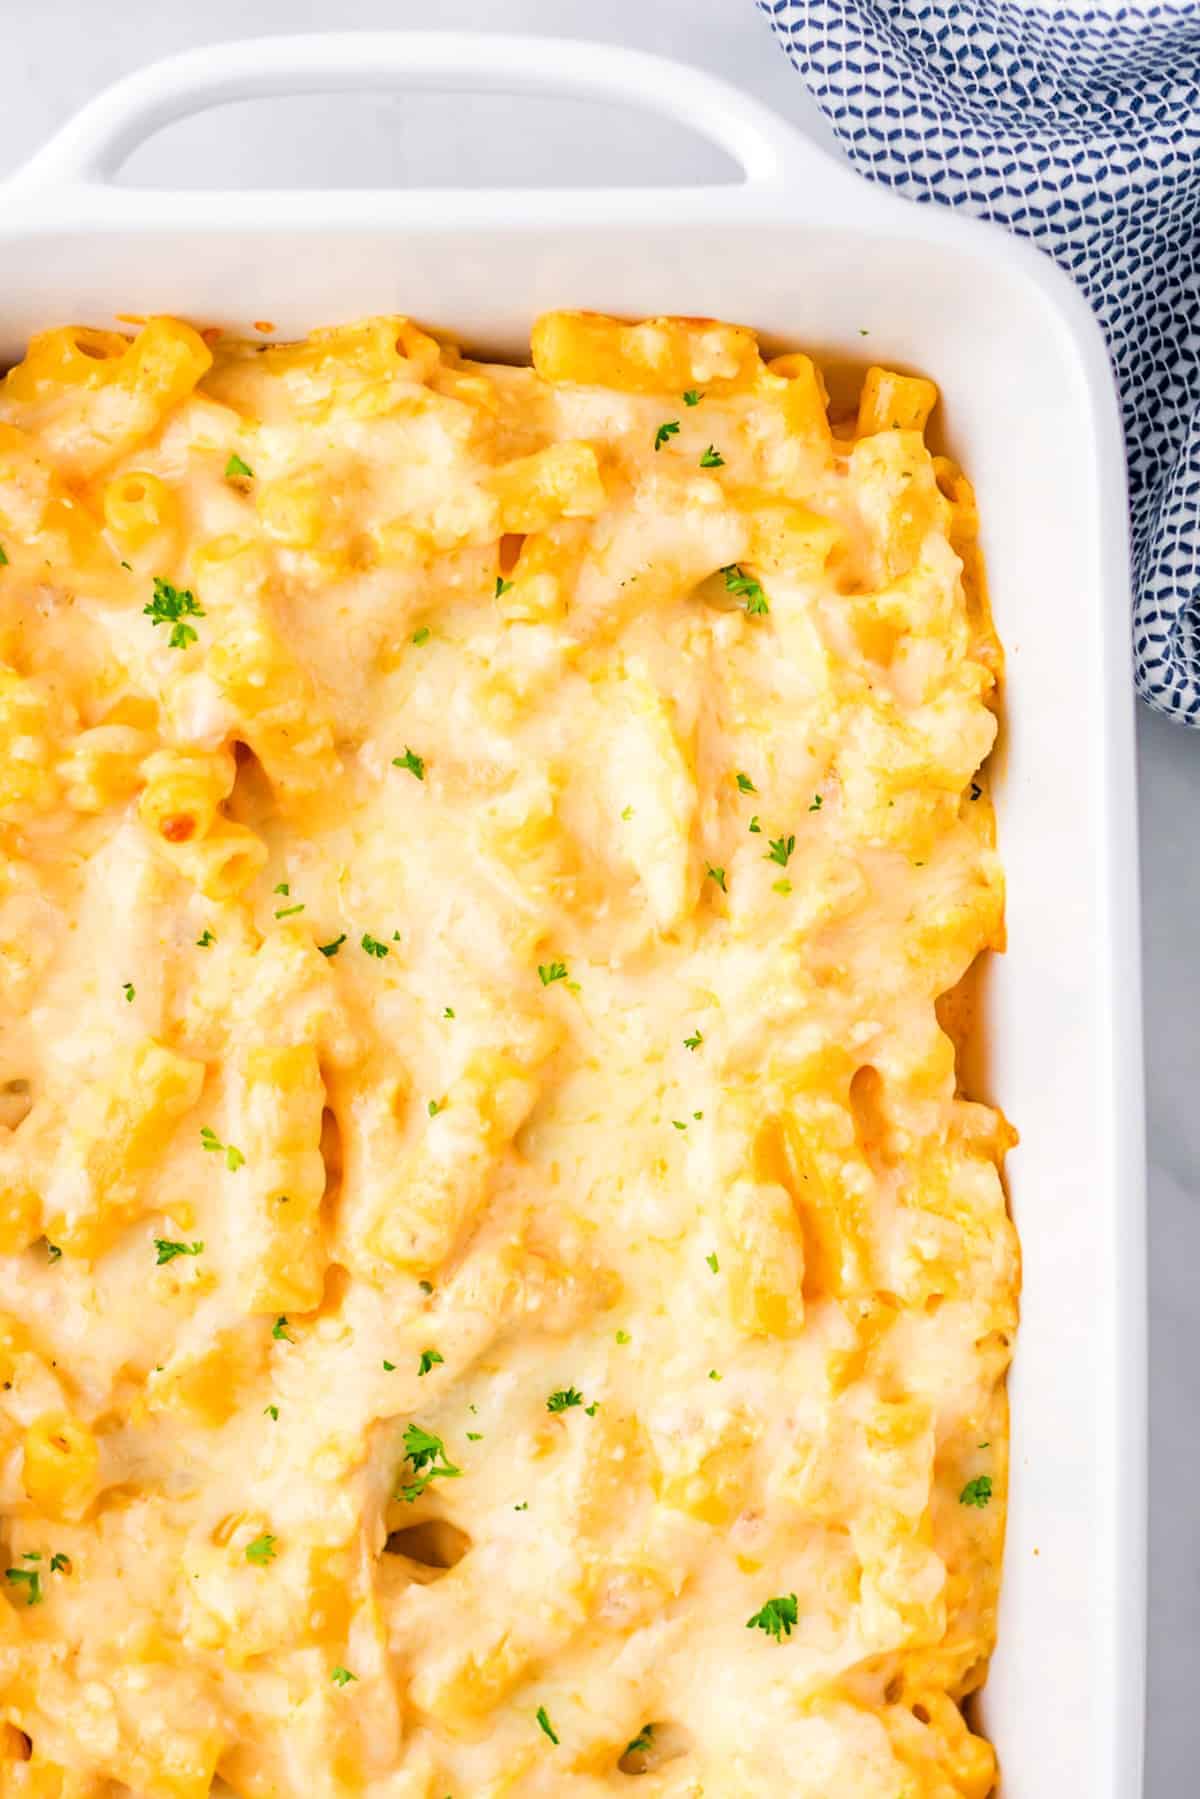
{"type": "Point", "coordinates": [31, 1579]}
{"type": "Point", "coordinates": [234, 1159]}
{"type": "Point", "coordinates": [170, 606]}
{"type": "Point", "coordinates": [279, 1329]}
{"type": "Point", "coordinates": [3, 557]}
{"type": "Point", "coordinates": [421, 636]}
{"type": "Point", "coordinates": [429, 1359]}
{"type": "Point", "coordinates": [781, 886]}
{"type": "Point", "coordinates": [427, 1287]}
{"type": "Point", "coordinates": [502, 587]}
{"type": "Point", "coordinates": [712, 458]}
{"type": "Point", "coordinates": [474, 1436]}
{"type": "Point", "coordinates": [754, 824]}
{"type": "Point", "coordinates": [623, 1337]}
{"type": "Point", "coordinates": [282, 887]}
{"type": "Point", "coordinates": [60, 1563]}
{"type": "Point", "coordinates": [780, 850]}
{"type": "Point", "coordinates": [712, 1261]}
{"type": "Point", "coordinates": [692, 397]}
{"type": "Point", "coordinates": [373, 946]}
{"type": "Point", "coordinates": [627, 814]}
{"type": "Point", "coordinates": [976, 790]}
{"type": "Point", "coordinates": [129, 990]}
{"type": "Point", "coordinates": [449, 1012]}
{"type": "Point", "coordinates": [563, 1399]}
{"type": "Point", "coordinates": [717, 875]}
{"type": "Point", "coordinates": [272, 1412]}
{"type": "Point", "coordinates": [341, 1677]}
{"type": "Point", "coordinates": [679, 1123]}
{"type": "Point", "coordinates": [262, 1550]}
{"type": "Point", "coordinates": [549, 972]}
{"type": "Point", "coordinates": [53, 1252]}
{"type": "Point", "coordinates": [777, 1618]}
{"type": "Point", "coordinates": [642, 1742]}
{"type": "Point", "coordinates": [745, 587]}
{"type": "Point", "coordinates": [206, 941]}
{"type": "Point", "coordinates": [412, 762]}
{"type": "Point", "coordinates": [427, 1454]}
{"type": "Point", "coordinates": [389, 1367]}
{"type": "Point", "coordinates": [745, 784]}
{"type": "Point", "coordinates": [669, 430]}
{"type": "Point", "coordinates": [817, 803]}
{"type": "Point", "coordinates": [545, 1724]}
{"type": "Point", "coordinates": [288, 911]}
{"type": "Point", "coordinates": [435, 1106]}
{"type": "Point", "coordinates": [235, 466]}
{"type": "Point", "coordinates": [977, 1492]}
{"type": "Point", "coordinates": [331, 949]}
{"type": "Point", "coordinates": [523, 1507]}
{"type": "Point", "coordinates": [168, 1250]}
{"type": "Point", "coordinates": [694, 1041]}
{"type": "Point", "coordinates": [713, 1375]}
{"type": "Point", "coordinates": [592, 1409]}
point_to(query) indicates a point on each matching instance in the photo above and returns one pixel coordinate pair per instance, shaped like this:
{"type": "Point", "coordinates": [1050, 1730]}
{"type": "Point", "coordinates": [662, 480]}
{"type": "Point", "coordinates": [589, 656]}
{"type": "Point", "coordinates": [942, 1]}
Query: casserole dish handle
{"type": "Point", "coordinates": [89, 150]}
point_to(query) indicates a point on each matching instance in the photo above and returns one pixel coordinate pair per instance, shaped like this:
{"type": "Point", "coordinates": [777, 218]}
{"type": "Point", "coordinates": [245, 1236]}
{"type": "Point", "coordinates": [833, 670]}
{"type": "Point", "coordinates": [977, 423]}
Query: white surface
{"type": "Point", "coordinates": [63, 68]}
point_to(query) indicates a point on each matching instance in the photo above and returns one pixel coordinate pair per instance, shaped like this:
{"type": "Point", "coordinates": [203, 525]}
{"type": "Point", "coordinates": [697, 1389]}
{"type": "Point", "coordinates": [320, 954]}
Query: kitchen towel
{"type": "Point", "coordinates": [1079, 128]}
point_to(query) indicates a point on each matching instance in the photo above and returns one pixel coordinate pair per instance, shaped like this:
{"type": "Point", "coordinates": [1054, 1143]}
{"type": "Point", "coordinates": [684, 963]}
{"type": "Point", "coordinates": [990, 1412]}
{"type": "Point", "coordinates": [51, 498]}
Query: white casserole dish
{"type": "Point", "coordinates": [811, 256]}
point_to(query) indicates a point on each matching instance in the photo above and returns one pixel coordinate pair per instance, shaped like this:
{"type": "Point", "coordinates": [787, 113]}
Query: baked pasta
{"type": "Point", "coordinates": [501, 1291]}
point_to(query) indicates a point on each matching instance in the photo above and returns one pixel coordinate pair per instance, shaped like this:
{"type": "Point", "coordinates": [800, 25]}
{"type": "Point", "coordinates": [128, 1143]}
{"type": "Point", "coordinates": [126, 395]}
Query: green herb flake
{"type": "Point", "coordinates": [206, 941]}
{"type": "Point", "coordinates": [549, 972]}
{"type": "Point", "coordinates": [430, 1359]}
{"type": "Point", "coordinates": [3, 557]}
{"type": "Point", "coordinates": [262, 1550]}
{"type": "Point", "coordinates": [331, 949]}
{"type": "Point", "coordinates": [744, 587]}
{"type": "Point", "coordinates": [449, 1012]}
{"type": "Point", "coordinates": [236, 467]}
{"type": "Point", "coordinates": [289, 911]}
{"type": "Point", "coordinates": [272, 1412]}
{"type": "Point", "coordinates": [977, 1492]}
{"type": "Point", "coordinates": [694, 1041]}
{"type": "Point", "coordinates": [563, 1398]}
{"type": "Point", "coordinates": [279, 1330]}
{"type": "Point", "coordinates": [427, 1453]}
{"type": "Point", "coordinates": [341, 1677]}
{"type": "Point", "coordinates": [53, 1252]}
{"type": "Point", "coordinates": [816, 803]}
{"type": "Point", "coordinates": [502, 587]}
{"type": "Point", "coordinates": [664, 432]}
{"type": "Point", "coordinates": [713, 1375]}
{"type": "Point", "coordinates": [545, 1724]}
{"type": "Point", "coordinates": [692, 397]}
{"type": "Point", "coordinates": [421, 636]}
{"type": "Point", "coordinates": [745, 784]}
{"type": "Point", "coordinates": [474, 1436]}
{"type": "Point", "coordinates": [712, 458]}
{"type": "Point", "coordinates": [784, 887]}
{"type": "Point", "coordinates": [60, 1563]}
{"type": "Point", "coordinates": [170, 606]}
{"type": "Point", "coordinates": [373, 946]}
{"type": "Point", "coordinates": [754, 825]}
{"type": "Point", "coordinates": [129, 990]}
{"type": "Point", "coordinates": [976, 790]}
{"type": "Point", "coordinates": [30, 1579]}
{"type": "Point", "coordinates": [780, 850]}
{"type": "Point", "coordinates": [168, 1250]}
{"type": "Point", "coordinates": [412, 762]}
{"type": "Point", "coordinates": [778, 1617]}
{"type": "Point", "coordinates": [389, 1367]}
{"type": "Point", "coordinates": [712, 1261]}
{"type": "Point", "coordinates": [717, 875]}
{"type": "Point", "coordinates": [642, 1743]}
{"type": "Point", "coordinates": [623, 1337]}
{"type": "Point", "coordinates": [234, 1159]}
{"type": "Point", "coordinates": [435, 1106]}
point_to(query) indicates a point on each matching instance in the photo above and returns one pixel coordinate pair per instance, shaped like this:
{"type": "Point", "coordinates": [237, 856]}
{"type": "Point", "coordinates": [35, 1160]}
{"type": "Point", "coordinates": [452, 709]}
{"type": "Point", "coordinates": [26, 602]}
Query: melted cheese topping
{"type": "Point", "coordinates": [502, 1293]}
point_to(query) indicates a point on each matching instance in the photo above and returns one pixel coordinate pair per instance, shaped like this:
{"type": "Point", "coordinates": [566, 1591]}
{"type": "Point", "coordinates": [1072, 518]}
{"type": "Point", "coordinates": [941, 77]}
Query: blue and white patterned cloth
{"type": "Point", "coordinates": [1079, 128]}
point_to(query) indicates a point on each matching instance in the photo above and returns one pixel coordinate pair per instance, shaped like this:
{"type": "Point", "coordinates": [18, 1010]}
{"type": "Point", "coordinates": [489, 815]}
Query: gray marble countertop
{"type": "Point", "coordinates": [58, 55]}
